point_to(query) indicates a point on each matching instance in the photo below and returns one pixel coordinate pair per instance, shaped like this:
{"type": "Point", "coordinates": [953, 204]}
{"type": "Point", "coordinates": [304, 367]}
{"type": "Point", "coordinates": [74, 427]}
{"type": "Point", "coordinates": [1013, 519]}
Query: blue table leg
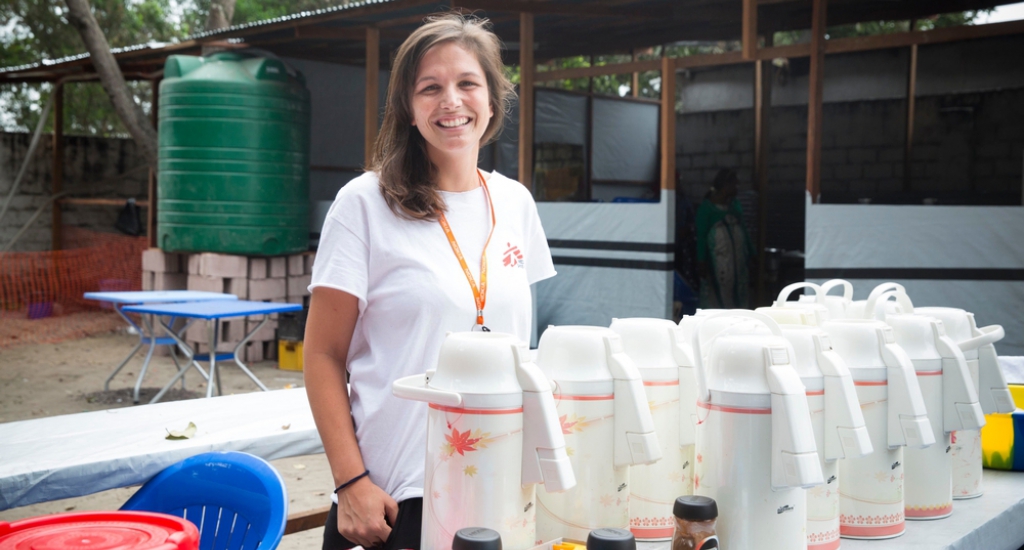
{"type": "Point", "coordinates": [241, 346]}
{"type": "Point", "coordinates": [211, 330]}
{"type": "Point", "coordinates": [189, 355]}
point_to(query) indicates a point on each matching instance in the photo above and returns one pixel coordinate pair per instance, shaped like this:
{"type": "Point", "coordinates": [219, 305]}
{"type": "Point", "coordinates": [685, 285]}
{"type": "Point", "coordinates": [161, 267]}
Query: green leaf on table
{"type": "Point", "coordinates": [187, 433]}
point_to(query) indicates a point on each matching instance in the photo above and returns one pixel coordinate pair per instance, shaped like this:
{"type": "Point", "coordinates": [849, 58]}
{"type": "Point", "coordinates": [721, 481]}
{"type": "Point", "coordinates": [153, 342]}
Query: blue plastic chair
{"type": "Point", "coordinates": [237, 500]}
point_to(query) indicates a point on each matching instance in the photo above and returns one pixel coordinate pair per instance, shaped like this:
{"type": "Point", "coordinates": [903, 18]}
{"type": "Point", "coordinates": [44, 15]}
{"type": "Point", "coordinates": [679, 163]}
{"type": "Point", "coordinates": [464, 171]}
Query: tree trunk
{"type": "Point", "coordinates": [138, 125]}
{"type": "Point", "coordinates": [221, 12]}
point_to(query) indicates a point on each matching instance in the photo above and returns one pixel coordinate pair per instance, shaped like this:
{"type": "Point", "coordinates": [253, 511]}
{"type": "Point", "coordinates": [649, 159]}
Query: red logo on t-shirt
{"type": "Point", "coordinates": [513, 257]}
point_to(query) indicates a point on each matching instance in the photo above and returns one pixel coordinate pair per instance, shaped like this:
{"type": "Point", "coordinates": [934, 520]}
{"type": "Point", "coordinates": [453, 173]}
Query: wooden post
{"type": "Point", "coordinates": [526, 69]}
{"type": "Point", "coordinates": [372, 91]}
{"type": "Point", "coordinates": [58, 164]}
{"type": "Point", "coordinates": [762, 110]}
{"type": "Point", "coordinates": [151, 180]}
{"type": "Point", "coordinates": [814, 99]}
{"type": "Point", "coordinates": [750, 29]}
{"type": "Point", "coordinates": [668, 123]}
{"type": "Point", "coordinates": [911, 108]}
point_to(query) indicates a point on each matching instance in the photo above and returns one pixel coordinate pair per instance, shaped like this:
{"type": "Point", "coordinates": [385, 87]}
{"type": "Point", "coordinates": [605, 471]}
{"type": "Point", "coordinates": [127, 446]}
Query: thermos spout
{"type": "Point", "coordinates": [635, 439]}
{"type": "Point", "coordinates": [846, 436]}
{"type": "Point", "coordinates": [794, 453]}
{"type": "Point", "coordinates": [908, 423]}
{"type": "Point", "coordinates": [544, 457]}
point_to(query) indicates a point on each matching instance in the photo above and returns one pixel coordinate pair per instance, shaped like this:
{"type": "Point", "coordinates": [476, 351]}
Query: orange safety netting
{"type": "Point", "coordinates": [41, 292]}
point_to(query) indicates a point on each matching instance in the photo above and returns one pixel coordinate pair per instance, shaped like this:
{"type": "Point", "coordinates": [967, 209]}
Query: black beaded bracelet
{"type": "Point", "coordinates": [351, 481]}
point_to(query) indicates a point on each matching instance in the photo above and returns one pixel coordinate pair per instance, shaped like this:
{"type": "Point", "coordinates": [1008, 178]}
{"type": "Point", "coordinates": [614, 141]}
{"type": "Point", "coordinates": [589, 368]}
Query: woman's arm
{"type": "Point", "coordinates": [329, 326]}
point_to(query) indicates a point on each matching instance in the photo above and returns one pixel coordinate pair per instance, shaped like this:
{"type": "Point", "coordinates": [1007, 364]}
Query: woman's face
{"type": "Point", "coordinates": [450, 101]}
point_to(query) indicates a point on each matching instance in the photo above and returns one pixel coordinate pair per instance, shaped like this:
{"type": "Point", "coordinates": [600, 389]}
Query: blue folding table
{"type": "Point", "coordinates": [147, 335]}
{"type": "Point", "coordinates": [212, 312]}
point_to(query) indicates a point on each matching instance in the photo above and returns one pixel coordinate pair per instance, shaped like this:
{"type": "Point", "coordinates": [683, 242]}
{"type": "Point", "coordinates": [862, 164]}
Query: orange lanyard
{"type": "Point", "coordinates": [479, 294]}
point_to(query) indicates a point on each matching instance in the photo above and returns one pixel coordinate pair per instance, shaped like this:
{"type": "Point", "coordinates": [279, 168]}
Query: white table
{"type": "Point", "coordinates": [79, 454]}
{"type": "Point", "coordinates": [994, 521]}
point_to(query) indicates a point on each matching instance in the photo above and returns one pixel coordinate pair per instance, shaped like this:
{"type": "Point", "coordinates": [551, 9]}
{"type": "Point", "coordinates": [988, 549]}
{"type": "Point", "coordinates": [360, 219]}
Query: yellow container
{"type": "Point", "coordinates": [289, 355]}
{"type": "Point", "coordinates": [998, 440]}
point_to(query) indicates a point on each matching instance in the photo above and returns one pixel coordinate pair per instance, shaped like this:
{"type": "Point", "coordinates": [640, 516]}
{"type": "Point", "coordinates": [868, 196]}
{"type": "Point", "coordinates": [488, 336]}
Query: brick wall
{"type": "Point", "coordinates": [90, 170]}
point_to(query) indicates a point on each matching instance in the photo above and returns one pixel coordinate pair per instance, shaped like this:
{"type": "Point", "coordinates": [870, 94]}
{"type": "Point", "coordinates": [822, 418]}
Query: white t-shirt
{"type": "Point", "coordinates": [411, 292]}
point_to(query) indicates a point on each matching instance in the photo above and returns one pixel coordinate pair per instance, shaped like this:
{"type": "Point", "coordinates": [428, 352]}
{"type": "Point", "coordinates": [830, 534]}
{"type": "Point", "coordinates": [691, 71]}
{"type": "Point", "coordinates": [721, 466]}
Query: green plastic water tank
{"type": "Point", "coordinates": [233, 172]}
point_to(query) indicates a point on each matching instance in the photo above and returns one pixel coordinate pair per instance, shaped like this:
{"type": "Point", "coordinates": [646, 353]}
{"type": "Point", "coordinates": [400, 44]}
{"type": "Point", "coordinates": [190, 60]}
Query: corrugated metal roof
{"type": "Point", "coordinates": [205, 34]}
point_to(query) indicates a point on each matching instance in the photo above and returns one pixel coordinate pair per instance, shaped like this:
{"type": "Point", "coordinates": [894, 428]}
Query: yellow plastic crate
{"type": "Point", "coordinates": [289, 355]}
{"type": "Point", "coordinates": [999, 442]}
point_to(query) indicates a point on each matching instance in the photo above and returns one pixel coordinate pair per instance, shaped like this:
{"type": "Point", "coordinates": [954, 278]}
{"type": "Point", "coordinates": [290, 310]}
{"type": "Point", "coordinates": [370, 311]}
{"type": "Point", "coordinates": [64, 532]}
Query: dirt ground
{"type": "Point", "coordinates": [38, 380]}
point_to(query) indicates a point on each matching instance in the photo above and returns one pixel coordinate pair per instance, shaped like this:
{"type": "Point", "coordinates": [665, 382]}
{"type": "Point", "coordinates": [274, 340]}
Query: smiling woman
{"type": "Point", "coordinates": [421, 245]}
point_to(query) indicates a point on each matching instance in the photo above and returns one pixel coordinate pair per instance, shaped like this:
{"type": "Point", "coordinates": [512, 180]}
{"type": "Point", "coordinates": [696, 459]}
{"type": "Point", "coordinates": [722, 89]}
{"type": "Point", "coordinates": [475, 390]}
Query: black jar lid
{"type": "Point", "coordinates": [695, 508]}
{"type": "Point", "coordinates": [611, 539]}
{"type": "Point", "coordinates": [476, 538]}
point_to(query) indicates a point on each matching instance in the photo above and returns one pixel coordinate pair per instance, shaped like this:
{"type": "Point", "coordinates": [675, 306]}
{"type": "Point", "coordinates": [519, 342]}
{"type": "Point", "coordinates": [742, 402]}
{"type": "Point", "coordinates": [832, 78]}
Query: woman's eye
{"type": "Point", "coordinates": [430, 88]}
{"type": "Point", "coordinates": [469, 84]}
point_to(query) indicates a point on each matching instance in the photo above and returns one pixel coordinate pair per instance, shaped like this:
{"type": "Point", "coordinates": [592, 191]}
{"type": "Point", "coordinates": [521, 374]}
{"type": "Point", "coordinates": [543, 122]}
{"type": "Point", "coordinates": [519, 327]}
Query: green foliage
{"type": "Point", "coordinates": [871, 28]}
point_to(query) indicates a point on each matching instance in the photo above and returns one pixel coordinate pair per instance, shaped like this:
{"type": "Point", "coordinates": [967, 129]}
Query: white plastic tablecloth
{"type": "Point", "coordinates": [79, 454]}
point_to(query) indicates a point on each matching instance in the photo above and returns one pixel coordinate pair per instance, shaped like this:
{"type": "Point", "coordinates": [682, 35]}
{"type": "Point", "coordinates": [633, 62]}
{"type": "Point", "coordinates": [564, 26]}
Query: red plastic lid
{"type": "Point", "coordinates": [121, 530]}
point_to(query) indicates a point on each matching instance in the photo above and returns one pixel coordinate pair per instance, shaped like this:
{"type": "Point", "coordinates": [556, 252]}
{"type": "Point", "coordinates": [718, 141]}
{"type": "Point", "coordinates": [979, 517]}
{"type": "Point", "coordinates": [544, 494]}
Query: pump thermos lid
{"type": "Point", "coordinates": [695, 508]}
{"type": "Point", "coordinates": [476, 538]}
{"type": "Point", "coordinates": [611, 539]}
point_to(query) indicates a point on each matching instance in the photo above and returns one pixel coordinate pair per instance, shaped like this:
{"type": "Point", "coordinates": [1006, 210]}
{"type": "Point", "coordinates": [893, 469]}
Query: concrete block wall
{"type": "Point", "coordinates": [91, 169]}
{"type": "Point", "coordinates": [270, 279]}
{"type": "Point", "coordinates": [967, 148]}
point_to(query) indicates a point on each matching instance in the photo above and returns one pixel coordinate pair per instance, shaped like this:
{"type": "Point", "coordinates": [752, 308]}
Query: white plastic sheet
{"type": "Point", "coordinates": [968, 257]}
{"type": "Point", "coordinates": [80, 454]}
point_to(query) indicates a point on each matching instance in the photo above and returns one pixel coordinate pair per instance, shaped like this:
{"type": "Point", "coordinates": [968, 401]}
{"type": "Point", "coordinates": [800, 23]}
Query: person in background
{"type": "Point", "coordinates": [421, 244]}
{"type": "Point", "coordinates": [724, 250]}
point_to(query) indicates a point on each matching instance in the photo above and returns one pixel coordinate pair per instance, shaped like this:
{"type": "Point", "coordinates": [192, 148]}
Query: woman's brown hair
{"type": "Point", "coordinates": [407, 176]}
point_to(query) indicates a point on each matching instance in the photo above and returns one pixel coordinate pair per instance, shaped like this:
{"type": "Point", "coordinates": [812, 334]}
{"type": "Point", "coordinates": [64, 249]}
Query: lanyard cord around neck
{"type": "Point", "coordinates": [479, 294]}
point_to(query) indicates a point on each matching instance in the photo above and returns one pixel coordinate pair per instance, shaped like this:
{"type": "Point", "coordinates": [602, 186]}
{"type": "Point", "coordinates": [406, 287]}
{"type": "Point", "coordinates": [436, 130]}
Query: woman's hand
{"type": "Point", "coordinates": [362, 508]}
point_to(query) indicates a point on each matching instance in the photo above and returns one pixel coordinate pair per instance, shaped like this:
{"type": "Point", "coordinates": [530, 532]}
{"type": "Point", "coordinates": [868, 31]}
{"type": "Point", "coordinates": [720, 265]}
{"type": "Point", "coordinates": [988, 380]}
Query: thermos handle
{"type": "Point", "coordinates": [635, 441]}
{"type": "Point", "coordinates": [982, 336]}
{"type": "Point", "coordinates": [994, 395]}
{"type": "Point", "coordinates": [886, 287]}
{"type": "Point", "coordinates": [785, 292]}
{"type": "Point", "coordinates": [415, 387]}
{"type": "Point", "coordinates": [846, 436]}
{"type": "Point", "coordinates": [960, 407]}
{"type": "Point", "coordinates": [683, 358]}
{"type": "Point", "coordinates": [871, 306]}
{"type": "Point", "coordinates": [794, 451]}
{"type": "Point", "coordinates": [908, 423]}
{"type": "Point", "coordinates": [544, 459]}
{"type": "Point", "coordinates": [830, 284]}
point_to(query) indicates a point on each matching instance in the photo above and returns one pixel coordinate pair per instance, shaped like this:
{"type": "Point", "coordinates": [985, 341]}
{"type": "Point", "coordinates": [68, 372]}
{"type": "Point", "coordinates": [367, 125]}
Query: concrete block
{"type": "Point", "coordinates": [270, 351]}
{"type": "Point", "coordinates": [254, 352]}
{"type": "Point", "coordinates": [849, 172]}
{"type": "Point", "coordinates": [993, 150]}
{"type": "Point", "coordinates": [296, 265]}
{"type": "Point", "coordinates": [239, 286]}
{"type": "Point", "coordinates": [193, 264]}
{"type": "Point", "coordinates": [878, 171]}
{"type": "Point", "coordinates": [170, 281]}
{"type": "Point", "coordinates": [206, 284]}
{"type": "Point", "coordinates": [308, 259]}
{"type": "Point", "coordinates": [278, 266]}
{"type": "Point", "coordinates": [862, 155]}
{"type": "Point", "coordinates": [294, 300]}
{"type": "Point", "coordinates": [265, 334]}
{"type": "Point", "coordinates": [891, 154]}
{"type": "Point", "coordinates": [297, 286]}
{"type": "Point", "coordinates": [727, 160]}
{"type": "Point", "coordinates": [223, 265]}
{"type": "Point", "coordinates": [258, 268]}
{"type": "Point", "coordinates": [147, 280]}
{"type": "Point", "coordinates": [833, 156]}
{"type": "Point", "coordinates": [983, 169]}
{"type": "Point", "coordinates": [197, 331]}
{"type": "Point", "coordinates": [702, 161]}
{"type": "Point", "coordinates": [1008, 168]}
{"type": "Point", "coordinates": [158, 261]}
{"type": "Point", "coordinates": [267, 289]}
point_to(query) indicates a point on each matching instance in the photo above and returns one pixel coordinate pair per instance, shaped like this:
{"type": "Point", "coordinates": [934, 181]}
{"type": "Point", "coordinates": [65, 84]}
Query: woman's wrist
{"type": "Point", "coordinates": [350, 482]}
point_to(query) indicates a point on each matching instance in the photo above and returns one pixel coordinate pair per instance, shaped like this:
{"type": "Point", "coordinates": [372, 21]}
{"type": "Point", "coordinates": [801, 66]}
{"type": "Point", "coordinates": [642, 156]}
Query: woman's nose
{"type": "Point", "coordinates": [450, 98]}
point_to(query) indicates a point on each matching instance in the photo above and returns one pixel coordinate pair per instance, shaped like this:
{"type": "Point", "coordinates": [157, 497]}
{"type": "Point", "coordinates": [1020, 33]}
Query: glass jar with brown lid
{"type": "Point", "coordinates": [695, 523]}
